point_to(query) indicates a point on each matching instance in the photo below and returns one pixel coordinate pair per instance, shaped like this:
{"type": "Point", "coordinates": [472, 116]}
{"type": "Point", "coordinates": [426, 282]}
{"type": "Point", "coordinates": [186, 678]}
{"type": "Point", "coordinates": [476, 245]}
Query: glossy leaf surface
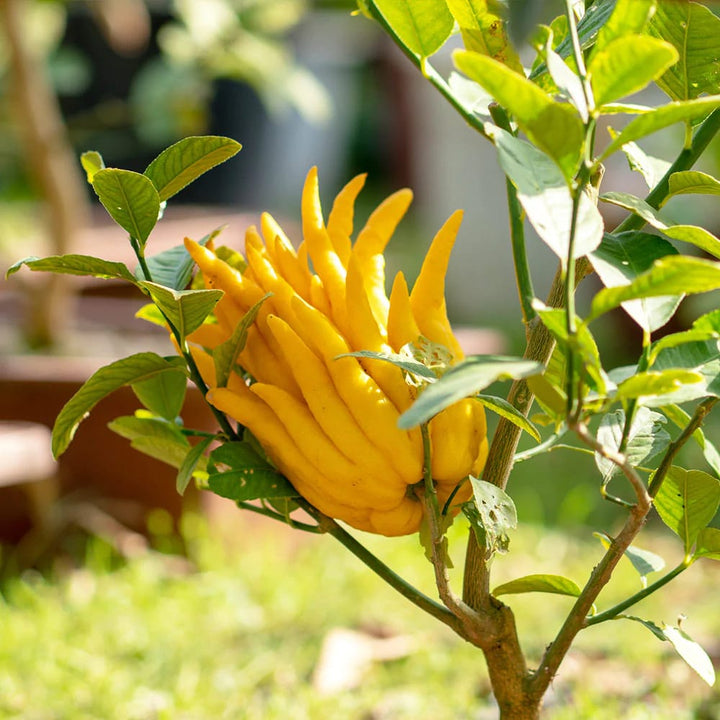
{"type": "Point", "coordinates": [687, 501]}
{"type": "Point", "coordinates": [466, 379]}
{"type": "Point", "coordinates": [695, 31]}
{"type": "Point", "coordinates": [545, 197]}
{"type": "Point", "coordinates": [556, 128]}
{"type": "Point", "coordinates": [185, 309]}
{"type": "Point", "coordinates": [554, 584]}
{"type": "Point", "coordinates": [619, 259]}
{"type": "Point", "coordinates": [181, 163]}
{"type": "Point", "coordinates": [130, 199]}
{"type": "Point", "coordinates": [246, 476]}
{"type": "Point", "coordinates": [129, 370]}
{"type": "Point", "coordinates": [422, 25]}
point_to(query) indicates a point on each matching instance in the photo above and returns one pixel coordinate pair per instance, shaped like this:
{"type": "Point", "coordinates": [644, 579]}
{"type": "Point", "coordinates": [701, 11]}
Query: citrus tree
{"type": "Point", "coordinates": [358, 407]}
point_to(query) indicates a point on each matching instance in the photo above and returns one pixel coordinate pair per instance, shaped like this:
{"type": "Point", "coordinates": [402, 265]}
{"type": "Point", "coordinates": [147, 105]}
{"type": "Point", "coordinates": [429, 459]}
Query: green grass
{"type": "Point", "coordinates": [236, 634]}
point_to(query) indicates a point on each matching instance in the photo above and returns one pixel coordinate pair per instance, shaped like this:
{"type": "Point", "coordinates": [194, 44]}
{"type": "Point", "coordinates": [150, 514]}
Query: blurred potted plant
{"type": "Point", "coordinates": [246, 42]}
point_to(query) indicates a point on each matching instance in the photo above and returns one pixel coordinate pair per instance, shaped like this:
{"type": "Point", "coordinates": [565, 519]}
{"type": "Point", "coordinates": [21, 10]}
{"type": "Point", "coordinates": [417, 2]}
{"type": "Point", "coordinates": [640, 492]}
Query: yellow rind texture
{"type": "Point", "coordinates": [330, 423]}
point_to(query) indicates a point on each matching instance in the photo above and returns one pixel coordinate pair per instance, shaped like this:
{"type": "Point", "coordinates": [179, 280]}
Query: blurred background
{"type": "Point", "coordinates": [298, 83]}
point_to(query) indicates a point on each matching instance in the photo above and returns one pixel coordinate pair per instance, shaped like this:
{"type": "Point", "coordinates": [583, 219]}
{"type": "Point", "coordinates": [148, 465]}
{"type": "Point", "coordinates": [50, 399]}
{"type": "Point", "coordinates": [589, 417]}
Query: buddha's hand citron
{"type": "Point", "coordinates": [327, 420]}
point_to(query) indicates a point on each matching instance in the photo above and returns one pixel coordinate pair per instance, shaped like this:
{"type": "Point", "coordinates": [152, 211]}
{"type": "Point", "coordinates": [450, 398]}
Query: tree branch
{"type": "Point", "coordinates": [601, 574]}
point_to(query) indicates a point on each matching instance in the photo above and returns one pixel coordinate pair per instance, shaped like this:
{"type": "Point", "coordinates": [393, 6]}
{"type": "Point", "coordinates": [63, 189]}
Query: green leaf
{"type": "Point", "coordinates": [163, 394]}
{"type": "Point", "coordinates": [672, 275]}
{"type": "Point", "coordinates": [582, 343]}
{"type": "Point", "coordinates": [185, 309]}
{"type": "Point", "coordinates": [678, 416]}
{"type": "Point", "coordinates": [708, 544]}
{"type": "Point", "coordinates": [248, 477]}
{"type": "Point", "coordinates": [225, 355]}
{"type": "Point", "coordinates": [692, 234]}
{"type": "Point", "coordinates": [545, 197]}
{"type": "Point", "coordinates": [173, 267]}
{"type": "Point", "coordinates": [567, 81]}
{"type": "Point", "coordinates": [684, 337]}
{"type": "Point", "coordinates": [427, 539]}
{"type": "Point", "coordinates": [483, 30]}
{"type": "Point", "coordinates": [687, 501]}
{"type": "Point", "coordinates": [551, 398]}
{"type": "Point", "coordinates": [702, 356]}
{"type": "Point", "coordinates": [588, 29]}
{"type": "Point", "coordinates": [414, 367]}
{"type": "Point", "coordinates": [619, 259]}
{"type": "Point", "coordinates": [692, 181]}
{"type": "Point", "coordinates": [556, 584]}
{"type": "Point", "coordinates": [154, 437]}
{"type": "Point", "coordinates": [492, 515]}
{"type": "Point", "coordinates": [130, 199]}
{"type": "Point", "coordinates": [186, 160]}
{"type": "Point", "coordinates": [556, 128]}
{"type": "Point", "coordinates": [687, 648]}
{"type": "Point", "coordinates": [652, 169]}
{"type": "Point", "coordinates": [92, 161]}
{"type": "Point", "coordinates": [423, 26]}
{"type": "Point", "coordinates": [505, 409]}
{"type": "Point", "coordinates": [626, 65]}
{"type": "Point", "coordinates": [660, 118]}
{"type": "Point", "coordinates": [625, 108]}
{"type": "Point", "coordinates": [75, 265]}
{"type": "Point", "coordinates": [695, 31]}
{"type": "Point", "coordinates": [465, 379]}
{"type": "Point", "coordinates": [628, 18]}
{"type": "Point", "coordinates": [470, 96]}
{"type": "Point", "coordinates": [710, 322]}
{"type": "Point", "coordinates": [104, 381]}
{"type": "Point", "coordinates": [232, 257]}
{"type": "Point", "coordinates": [651, 626]}
{"type": "Point", "coordinates": [151, 313]}
{"type": "Point", "coordinates": [646, 439]}
{"type": "Point", "coordinates": [691, 653]}
{"type": "Point", "coordinates": [644, 562]}
{"type": "Point", "coordinates": [190, 464]}
{"type": "Point", "coordinates": [651, 384]}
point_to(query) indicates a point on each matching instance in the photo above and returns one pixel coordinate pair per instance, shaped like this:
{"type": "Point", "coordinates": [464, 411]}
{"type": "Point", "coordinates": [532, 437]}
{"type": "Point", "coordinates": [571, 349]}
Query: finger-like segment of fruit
{"type": "Point", "coordinates": [325, 260]}
{"type": "Point", "coordinates": [205, 365]}
{"type": "Point", "coordinates": [364, 331]}
{"type": "Point", "coordinates": [347, 483]}
{"type": "Point", "coordinates": [220, 275]}
{"type": "Point", "coordinates": [290, 268]}
{"type": "Point", "coordinates": [402, 520]}
{"type": "Point", "coordinates": [260, 361]}
{"type": "Point", "coordinates": [209, 335]}
{"type": "Point", "coordinates": [318, 296]}
{"type": "Point", "coordinates": [340, 220]}
{"type": "Point", "coordinates": [331, 411]}
{"type": "Point", "coordinates": [270, 281]}
{"type": "Point", "coordinates": [370, 246]}
{"type": "Point", "coordinates": [383, 221]}
{"type": "Point", "coordinates": [252, 412]}
{"type": "Point", "coordinates": [427, 298]}
{"type": "Point", "coordinates": [261, 356]}
{"type": "Point", "coordinates": [456, 435]}
{"type": "Point", "coordinates": [402, 328]}
{"type": "Point", "coordinates": [274, 235]}
{"type": "Point", "coordinates": [372, 409]}
{"type": "Point", "coordinates": [367, 334]}
{"type": "Point", "coordinates": [227, 313]}
{"type": "Point", "coordinates": [285, 258]}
